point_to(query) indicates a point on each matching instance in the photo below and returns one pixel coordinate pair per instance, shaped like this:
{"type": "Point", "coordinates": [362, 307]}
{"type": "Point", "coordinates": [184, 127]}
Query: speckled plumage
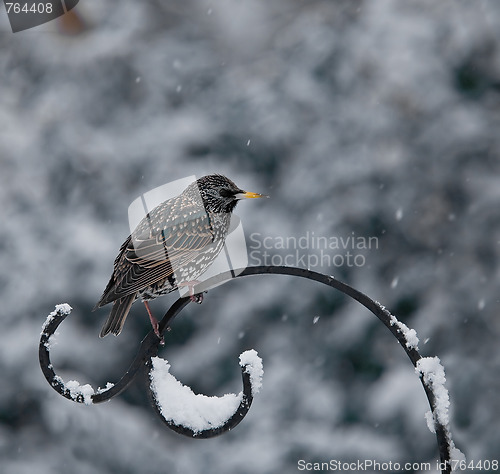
{"type": "Point", "coordinates": [171, 246]}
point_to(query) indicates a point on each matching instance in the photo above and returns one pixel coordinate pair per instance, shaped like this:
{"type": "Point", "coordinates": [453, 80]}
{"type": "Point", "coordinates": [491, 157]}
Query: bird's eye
{"type": "Point", "coordinates": [225, 192]}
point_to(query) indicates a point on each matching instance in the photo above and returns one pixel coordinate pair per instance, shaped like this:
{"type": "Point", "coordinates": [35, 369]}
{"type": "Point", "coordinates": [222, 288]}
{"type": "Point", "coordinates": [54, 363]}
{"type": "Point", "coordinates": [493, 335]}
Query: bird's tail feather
{"type": "Point", "coordinates": [116, 318]}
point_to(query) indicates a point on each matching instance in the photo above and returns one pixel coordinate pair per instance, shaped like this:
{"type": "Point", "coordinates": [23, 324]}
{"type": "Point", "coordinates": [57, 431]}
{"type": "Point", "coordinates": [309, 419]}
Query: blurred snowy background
{"type": "Point", "coordinates": [359, 118]}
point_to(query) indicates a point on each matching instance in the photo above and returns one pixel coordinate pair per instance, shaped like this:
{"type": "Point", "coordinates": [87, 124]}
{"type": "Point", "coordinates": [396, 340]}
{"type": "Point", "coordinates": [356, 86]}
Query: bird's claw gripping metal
{"type": "Point", "coordinates": [198, 298]}
{"type": "Point", "coordinates": [195, 297]}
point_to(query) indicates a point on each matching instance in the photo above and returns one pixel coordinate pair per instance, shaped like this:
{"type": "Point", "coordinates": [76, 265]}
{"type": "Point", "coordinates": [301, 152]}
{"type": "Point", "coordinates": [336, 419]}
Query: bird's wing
{"type": "Point", "coordinates": [154, 252]}
{"type": "Point", "coordinates": [174, 242]}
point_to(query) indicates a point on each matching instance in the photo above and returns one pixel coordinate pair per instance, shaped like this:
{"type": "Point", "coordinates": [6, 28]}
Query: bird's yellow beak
{"type": "Point", "coordinates": [249, 195]}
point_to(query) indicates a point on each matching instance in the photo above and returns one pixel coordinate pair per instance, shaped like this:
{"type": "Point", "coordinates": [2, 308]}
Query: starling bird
{"type": "Point", "coordinates": [171, 247]}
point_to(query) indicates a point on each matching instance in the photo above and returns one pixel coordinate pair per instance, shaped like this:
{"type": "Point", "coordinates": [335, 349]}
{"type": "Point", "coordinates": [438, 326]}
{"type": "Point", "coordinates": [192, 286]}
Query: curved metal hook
{"type": "Point", "coordinates": [149, 348]}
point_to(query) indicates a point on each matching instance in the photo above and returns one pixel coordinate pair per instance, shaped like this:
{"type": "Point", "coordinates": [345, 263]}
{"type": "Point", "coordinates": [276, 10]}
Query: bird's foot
{"type": "Point", "coordinates": [198, 298]}
{"type": "Point", "coordinates": [195, 298]}
{"type": "Point", "coordinates": [156, 329]}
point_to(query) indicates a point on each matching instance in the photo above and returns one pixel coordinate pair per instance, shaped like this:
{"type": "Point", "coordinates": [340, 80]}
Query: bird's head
{"type": "Point", "coordinates": [220, 194]}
